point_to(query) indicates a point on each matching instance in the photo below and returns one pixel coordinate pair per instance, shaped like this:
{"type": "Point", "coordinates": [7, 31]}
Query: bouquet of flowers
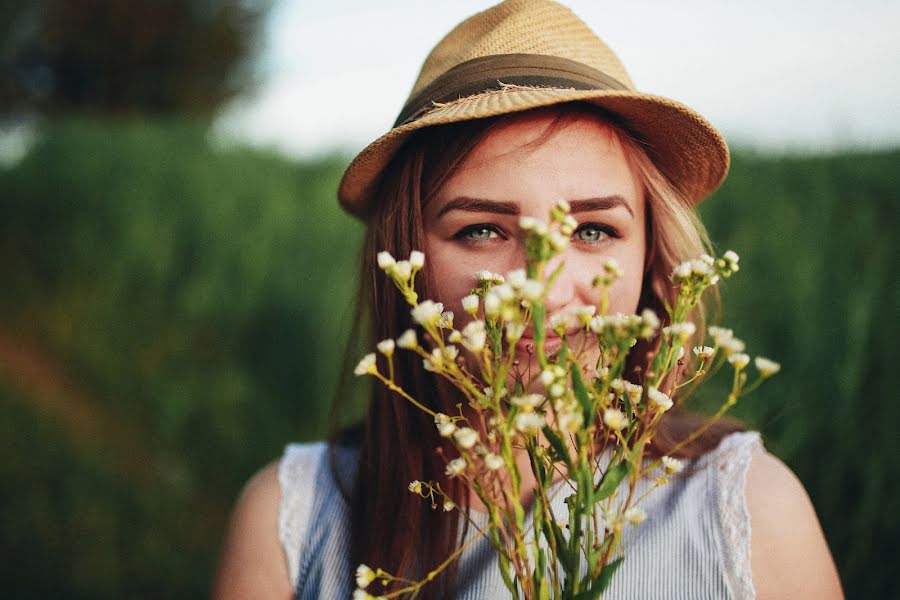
{"type": "Point", "coordinates": [577, 417]}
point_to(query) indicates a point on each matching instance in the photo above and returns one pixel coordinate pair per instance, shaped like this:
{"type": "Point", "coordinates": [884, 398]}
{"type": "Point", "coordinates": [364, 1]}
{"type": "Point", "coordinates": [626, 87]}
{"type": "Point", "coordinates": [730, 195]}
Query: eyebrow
{"type": "Point", "coordinates": [604, 203]}
{"type": "Point", "coordinates": [469, 204]}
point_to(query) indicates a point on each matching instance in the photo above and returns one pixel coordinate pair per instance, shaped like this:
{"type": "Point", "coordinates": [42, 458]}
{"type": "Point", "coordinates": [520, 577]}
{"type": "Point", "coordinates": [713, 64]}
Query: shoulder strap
{"type": "Point", "coordinates": [296, 472]}
{"type": "Point", "coordinates": [731, 461]}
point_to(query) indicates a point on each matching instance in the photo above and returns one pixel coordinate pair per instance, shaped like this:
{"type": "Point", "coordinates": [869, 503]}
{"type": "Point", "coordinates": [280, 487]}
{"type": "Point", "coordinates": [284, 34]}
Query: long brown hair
{"type": "Point", "coordinates": [392, 528]}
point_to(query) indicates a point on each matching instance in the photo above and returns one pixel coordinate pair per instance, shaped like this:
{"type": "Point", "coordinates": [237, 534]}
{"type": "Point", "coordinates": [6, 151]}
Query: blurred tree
{"type": "Point", "coordinates": [124, 57]}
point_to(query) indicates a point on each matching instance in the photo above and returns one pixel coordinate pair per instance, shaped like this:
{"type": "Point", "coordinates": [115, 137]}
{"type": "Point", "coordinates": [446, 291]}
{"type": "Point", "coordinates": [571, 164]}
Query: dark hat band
{"type": "Point", "coordinates": [490, 73]}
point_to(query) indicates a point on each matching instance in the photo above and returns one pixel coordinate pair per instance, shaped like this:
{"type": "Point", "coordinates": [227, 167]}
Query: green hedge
{"type": "Point", "coordinates": [172, 315]}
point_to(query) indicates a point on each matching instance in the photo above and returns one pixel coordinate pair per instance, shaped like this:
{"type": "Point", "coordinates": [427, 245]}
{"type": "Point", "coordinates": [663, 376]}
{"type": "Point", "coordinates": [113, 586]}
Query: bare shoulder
{"type": "Point", "coordinates": [789, 555]}
{"type": "Point", "coordinates": [252, 564]}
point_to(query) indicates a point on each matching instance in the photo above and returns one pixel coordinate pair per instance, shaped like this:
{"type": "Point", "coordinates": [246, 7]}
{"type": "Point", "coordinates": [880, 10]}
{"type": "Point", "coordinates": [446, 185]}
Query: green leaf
{"type": "Point", "coordinates": [611, 480]}
{"type": "Point", "coordinates": [605, 576]}
{"type": "Point", "coordinates": [558, 446]}
{"type": "Point", "coordinates": [590, 594]}
{"type": "Point", "coordinates": [505, 566]}
{"type": "Point", "coordinates": [544, 592]}
{"type": "Point", "coordinates": [567, 559]}
{"type": "Point", "coordinates": [582, 395]}
{"type": "Point", "coordinates": [601, 582]}
{"type": "Point", "coordinates": [538, 314]}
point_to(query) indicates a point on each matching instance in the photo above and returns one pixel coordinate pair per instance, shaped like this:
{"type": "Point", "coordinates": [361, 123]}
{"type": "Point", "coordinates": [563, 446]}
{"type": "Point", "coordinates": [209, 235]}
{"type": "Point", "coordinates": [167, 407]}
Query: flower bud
{"type": "Point", "coordinates": [739, 360]}
{"type": "Point", "coordinates": [766, 367]}
{"type": "Point", "coordinates": [407, 340]}
{"type": "Point", "coordinates": [386, 347]}
{"type": "Point", "coordinates": [366, 365]}
{"type": "Point", "coordinates": [416, 260]}
{"type": "Point", "coordinates": [493, 462]}
{"type": "Point", "coordinates": [491, 305]}
{"type": "Point", "coordinates": [470, 304]}
{"type": "Point", "coordinates": [456, 467]}
{"type": "Point", "coordinates": [465, 437]}
{"type": "Point", "coordinates": [402, 270]}
{"type": "Point", "coordinates": [385, 260]}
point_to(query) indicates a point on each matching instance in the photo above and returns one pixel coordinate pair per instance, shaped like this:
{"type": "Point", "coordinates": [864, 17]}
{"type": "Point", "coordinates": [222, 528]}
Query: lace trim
{"type": "Point", "coordinates": [731, 461]}
{"type": "Point", "coordinates": [297, 468]}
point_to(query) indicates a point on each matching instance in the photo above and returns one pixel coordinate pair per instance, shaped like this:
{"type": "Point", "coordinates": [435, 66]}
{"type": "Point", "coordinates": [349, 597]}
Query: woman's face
{"type": "Point", "coordinates": [472, 222]}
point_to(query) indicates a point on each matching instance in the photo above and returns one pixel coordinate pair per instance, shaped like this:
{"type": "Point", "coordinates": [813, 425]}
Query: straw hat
{"type": "Point", "coordinates": [523, 54]}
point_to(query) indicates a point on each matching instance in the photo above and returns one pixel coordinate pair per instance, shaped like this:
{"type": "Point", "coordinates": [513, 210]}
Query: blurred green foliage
{"type": "Point", "coordinates": [172, 315]}
{"type": "Point", "coordinates": [155, 57]}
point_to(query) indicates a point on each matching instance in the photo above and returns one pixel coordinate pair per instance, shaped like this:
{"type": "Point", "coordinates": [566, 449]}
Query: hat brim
{"type": "Point", "coordinates": [685, 147]}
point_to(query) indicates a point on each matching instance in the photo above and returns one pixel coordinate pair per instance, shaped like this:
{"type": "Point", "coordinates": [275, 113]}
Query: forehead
{"type": "Point", "coordinates": [533, 158]}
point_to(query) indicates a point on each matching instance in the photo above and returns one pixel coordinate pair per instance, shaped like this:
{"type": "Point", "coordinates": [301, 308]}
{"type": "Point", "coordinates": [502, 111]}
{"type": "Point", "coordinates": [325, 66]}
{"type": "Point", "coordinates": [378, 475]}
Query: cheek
{"type": "Point", "coordinates": [625, 294]}
{"type": "Point", "coordinates": [450, 278]}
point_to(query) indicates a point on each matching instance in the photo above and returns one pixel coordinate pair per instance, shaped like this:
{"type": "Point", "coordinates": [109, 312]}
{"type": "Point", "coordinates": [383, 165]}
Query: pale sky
{"type": "Point", "coordinates": [788, 74]}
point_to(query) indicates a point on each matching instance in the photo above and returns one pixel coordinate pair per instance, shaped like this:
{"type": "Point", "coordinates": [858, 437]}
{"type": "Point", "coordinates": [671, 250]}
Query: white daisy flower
{"type": "Point", "coordinates": [532, 290]}
{"type": "Point", "coordinates": [446, 429]}
{"type": "Point", "coordinates": [649, 324]}
{"type": "Point", "coordinates": [704, 352]}
{"type": "Point", "coordinates": [465, 437]}
{"type": "Point", "coordinates": [386, 347]}
{"type": "Point", "coordinates": [680, 330]}
{"type": "Point", "coordinates": [493, 462]}
{"type": "Point", "coordinates": [615, 419]}
{"type": "Point", "coordinates": [732, 346]}
{"type": "Point", "coordinates": [529, 423]}
{"type": "Point", "coordinates": [672, 465]}
{"type": "Point", "coordinates": [514, 331]}
{"type": "Point", "coordinates": [402, 270]}
{"type": "Point", "coordinates": [739, 360]}
{"type": "Point", "coordinates": [470, 304]}
{"type": "Point", "coordinates": [407, 340]}
{"type": "Point", "coordinates": [527, 223]}
{"type": "Point", "coordinates": [456, 467]}
{"type": "Point", "coordinates": [516, 278]}
{"type": "Point", "coordinates": [766, 367]}
{"type": "Point", "coordinates": [365, 575]}
{"type": "Point", "coordinates": [492, 305]}
{"type": "Point", "coordinates": [720, 334]}
{"type": "Point", "coordinates": [612, 267]}
{"type": "Point", "coordinates": [570, 420]}
{"type": "Point", "coordinates": [559, 241]}
{"type": "Point", "coordinates": [446, 320]}
{"type": "Point", "coordinates": [634, 391]}
{"type": "Point", "coordinates": [635, 515]}
{"type": "Point", "coordinates": [527, 402]}
{"type": "Point", "coordinates": [568, 225]}
{"type": "Point", "coordinates": [660, 399]}
{"type": "Point", "coordinates": [427, 312]}
{"type": "Point", "coordinates": [366, 365]}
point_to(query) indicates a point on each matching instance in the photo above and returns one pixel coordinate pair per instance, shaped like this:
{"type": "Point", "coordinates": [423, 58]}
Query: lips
{"type": "Point", "coordinates": [526, 345]}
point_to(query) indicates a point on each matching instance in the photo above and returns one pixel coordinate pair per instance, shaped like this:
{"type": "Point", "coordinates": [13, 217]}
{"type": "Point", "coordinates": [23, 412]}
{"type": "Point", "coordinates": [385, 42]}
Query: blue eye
{"type": "Point", "coordinates": [477, 233]}
{"type": "Point", "coordinates": [593, 233]}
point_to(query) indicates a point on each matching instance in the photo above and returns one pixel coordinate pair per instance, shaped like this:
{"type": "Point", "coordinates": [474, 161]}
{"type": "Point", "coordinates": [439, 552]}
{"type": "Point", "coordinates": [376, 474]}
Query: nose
{"type": "Point", "coordinates": [562, 292]}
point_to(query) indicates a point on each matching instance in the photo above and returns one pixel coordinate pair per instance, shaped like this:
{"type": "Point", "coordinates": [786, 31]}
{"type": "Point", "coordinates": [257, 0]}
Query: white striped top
{"type": "Point", "coordinates": [694, 545]}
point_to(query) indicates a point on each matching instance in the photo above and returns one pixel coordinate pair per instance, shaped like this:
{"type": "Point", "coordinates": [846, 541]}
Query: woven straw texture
{"type": "Point", "coordinates": [685, 147]}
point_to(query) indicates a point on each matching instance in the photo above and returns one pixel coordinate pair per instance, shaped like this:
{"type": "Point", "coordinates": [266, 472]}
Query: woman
{"type": "Point", "coordinates": [518, 107]}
